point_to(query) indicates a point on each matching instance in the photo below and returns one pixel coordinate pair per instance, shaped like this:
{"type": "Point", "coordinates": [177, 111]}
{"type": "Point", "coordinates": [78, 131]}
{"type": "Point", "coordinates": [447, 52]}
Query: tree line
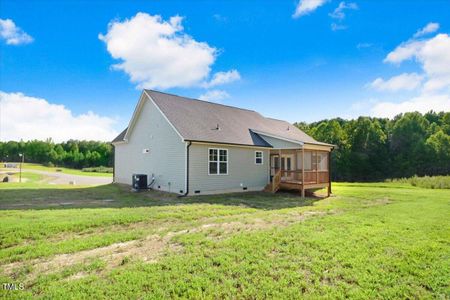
{"type": "Point", "coordinates": [71, 154]}
{"type": "Point", "coordinates": [370, 149]}
{"type": "Point", "coordinates": [367, 149]}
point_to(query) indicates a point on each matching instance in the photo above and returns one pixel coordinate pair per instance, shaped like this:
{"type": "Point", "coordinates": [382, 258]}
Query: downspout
{"type": "Point", "coordinates": [187, 170]}
{"type": "Point", "coordinates": [114, 162]}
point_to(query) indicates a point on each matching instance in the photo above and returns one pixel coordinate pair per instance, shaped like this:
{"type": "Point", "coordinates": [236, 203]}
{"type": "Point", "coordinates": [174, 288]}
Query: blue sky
{"type": "Point", "coordinates": [330, 59]}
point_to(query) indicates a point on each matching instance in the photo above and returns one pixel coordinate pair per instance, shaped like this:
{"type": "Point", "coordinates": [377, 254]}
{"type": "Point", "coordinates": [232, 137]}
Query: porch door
{"type": "Point", "coordinates": [274, 164]}
{"type": "Point", "coordinates": [287, 161]}
{"type": "Point", "coordinates": [286, 165]}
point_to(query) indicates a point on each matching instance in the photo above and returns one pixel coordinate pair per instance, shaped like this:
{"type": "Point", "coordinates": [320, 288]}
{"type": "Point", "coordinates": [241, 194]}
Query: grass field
{"type": "Point", "coordinates": [31, 181]}
{"type": "Point", "coordinates": [63, 170]}
{"type": "Point", "coordinates": [384, 240]}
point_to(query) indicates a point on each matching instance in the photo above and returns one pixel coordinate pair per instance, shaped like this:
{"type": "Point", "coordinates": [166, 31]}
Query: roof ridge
{"type": "Point", "coordinates": [214, 103]}
{"type": "Point", "coordinates": [279, 120]}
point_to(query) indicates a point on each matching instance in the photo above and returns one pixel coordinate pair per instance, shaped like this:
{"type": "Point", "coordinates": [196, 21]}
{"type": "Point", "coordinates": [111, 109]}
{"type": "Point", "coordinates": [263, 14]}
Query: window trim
{"type": "Point", "coordinates": [218, 162]}
{"type": "Point", "coordinates": [262, 158]}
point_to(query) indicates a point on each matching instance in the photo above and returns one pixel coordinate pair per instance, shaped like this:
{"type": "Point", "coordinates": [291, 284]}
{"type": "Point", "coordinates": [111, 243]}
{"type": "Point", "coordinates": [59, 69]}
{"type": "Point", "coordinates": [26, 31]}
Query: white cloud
{"type": "Point", "coordinates": [27, 118]}
{"type": "Point", "coordinates": [336, 27]}
{"type": "Point", "coordinates": [404, 52]}
{"type": "Point", "coordinates": [405, 81]}
{"type": "Point", "coordinates": [214, 96]}
{"type": "Point", "coordinates": [433, 56]}
{"type": "Point", "coordinates": [305, 7]}
{"type": "Point", "coordinates": [221, 78]}
{"type": "Point", "coordinates": [429, 28]}
{"type": "Point", "coordinates": [364, 45]}
{"type": "Point", "coordinates": [220, 18]}
{"type": "Point", "coordinates": [339, 13]}
{"type": "Point", "coordinates": [423, 103]}
{"type": "Point", "coordinates": [12, 34]}
{"type": "Point", "coordinates": [157, 53]}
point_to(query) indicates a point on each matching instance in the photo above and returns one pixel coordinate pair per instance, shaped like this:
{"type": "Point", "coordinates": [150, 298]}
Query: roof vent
{"type": "Point", "coordinates": [217, 127]}
{"type": "Point", "coordinates": [288, 128]}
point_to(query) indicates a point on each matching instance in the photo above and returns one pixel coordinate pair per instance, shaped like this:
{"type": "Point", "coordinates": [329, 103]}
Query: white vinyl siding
{"type": "Point", "coordinates": [242, 170]}
{"type": "Point", "coordinates": [166, 158]}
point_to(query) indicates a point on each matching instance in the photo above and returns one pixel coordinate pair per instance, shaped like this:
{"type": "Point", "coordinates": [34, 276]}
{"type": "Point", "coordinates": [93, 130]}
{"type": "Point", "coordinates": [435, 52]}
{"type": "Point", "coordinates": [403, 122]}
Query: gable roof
{"type": "Point", "coordinates": [120, 137]}
{"type": "Point", "coordinates": [197, 120]}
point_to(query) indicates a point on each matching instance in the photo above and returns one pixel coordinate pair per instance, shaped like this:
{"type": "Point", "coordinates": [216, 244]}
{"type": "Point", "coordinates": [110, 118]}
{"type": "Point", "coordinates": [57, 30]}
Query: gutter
{"type": "Point", "coordinates": [114, 162]}
{"type": "Point", "coordinates": [187, 170]}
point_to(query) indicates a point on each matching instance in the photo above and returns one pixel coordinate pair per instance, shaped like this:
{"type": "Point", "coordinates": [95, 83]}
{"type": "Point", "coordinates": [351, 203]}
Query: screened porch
{"type": "Point", "coordinates": [299, 169]}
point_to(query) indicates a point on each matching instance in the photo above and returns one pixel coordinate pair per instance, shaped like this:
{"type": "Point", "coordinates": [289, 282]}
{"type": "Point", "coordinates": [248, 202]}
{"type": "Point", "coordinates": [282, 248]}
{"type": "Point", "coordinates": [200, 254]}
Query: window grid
{"type": "Point", "coordinates": [218, 161]}
{"type": "Point", "coordinates": [258, 157]}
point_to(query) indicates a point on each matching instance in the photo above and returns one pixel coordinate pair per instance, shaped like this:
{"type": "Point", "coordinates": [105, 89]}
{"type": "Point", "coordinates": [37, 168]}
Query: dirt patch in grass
{"type": "Point", "coordinates": [152, 247]}
{"type": "Point", "coordinates": [76, 276]}
{"type": "Point", "coordinates": [148, 250]}
{"type": "Point", "coordinates": [222, 230]}
{"type": "Point", "coordinates": [159, 241]}
{"type": "Point", "coordinates": [379, 201]}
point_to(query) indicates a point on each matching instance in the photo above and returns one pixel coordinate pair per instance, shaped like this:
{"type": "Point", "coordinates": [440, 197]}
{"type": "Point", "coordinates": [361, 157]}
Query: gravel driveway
{"type": "Point", "coordinates": [64, 178]}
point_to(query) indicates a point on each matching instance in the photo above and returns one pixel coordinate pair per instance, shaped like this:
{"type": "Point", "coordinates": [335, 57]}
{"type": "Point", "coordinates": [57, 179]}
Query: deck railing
{"type": "Point", "coordinates": [276, 181]}
{"type": "Point", "coordinates": [295, 176]}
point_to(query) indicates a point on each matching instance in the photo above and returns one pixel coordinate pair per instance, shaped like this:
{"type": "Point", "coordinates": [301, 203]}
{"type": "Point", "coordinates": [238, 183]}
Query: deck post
{"type": "Point", "coordinates": [303, 171]}
{"type": "Point", "coordinates": [295, 165]}
{"type": "Point", "coordinates": [329, 173]}
{"type": "Point", "coordinates": [317, 167]}
{"type": "Point", "coordinates": [279, 159]}
{"type": "Point", "coordinates": [279, 164]}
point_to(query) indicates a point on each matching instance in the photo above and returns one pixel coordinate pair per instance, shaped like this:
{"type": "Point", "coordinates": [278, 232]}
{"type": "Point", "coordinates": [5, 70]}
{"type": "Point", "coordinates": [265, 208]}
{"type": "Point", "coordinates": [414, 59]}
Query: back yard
{"type": "Point", "coordinates": [385, 240]}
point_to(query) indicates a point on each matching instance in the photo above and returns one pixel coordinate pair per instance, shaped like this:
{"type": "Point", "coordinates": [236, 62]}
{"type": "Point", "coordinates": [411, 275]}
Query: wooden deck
{"type": "Point", "coordinates": [293, 172]}
{"type": "Point", "coordinates": [298, 185]}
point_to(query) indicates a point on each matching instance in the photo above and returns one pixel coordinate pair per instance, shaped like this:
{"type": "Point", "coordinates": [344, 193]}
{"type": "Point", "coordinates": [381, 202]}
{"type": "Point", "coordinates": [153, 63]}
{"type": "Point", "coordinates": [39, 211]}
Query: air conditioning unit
{"type": "Point", "coordinates": [139, 181]}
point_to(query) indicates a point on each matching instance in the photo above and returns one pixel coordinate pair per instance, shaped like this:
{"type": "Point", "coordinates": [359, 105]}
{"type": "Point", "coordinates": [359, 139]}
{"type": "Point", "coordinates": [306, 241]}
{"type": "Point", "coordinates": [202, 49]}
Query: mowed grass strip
{"type": "Point", "coordinates": [64, 170]}
{"type": "Point", "coordinates": [371, 241]}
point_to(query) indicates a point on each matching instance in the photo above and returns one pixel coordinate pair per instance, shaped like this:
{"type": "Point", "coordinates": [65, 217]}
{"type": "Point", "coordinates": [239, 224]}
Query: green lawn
{"type": "Point", "coordinates": [30, 183]}
{"type": "Point", "coordinates": [63, 170]}
{"type": "Point", "coordinates": [384, 240]}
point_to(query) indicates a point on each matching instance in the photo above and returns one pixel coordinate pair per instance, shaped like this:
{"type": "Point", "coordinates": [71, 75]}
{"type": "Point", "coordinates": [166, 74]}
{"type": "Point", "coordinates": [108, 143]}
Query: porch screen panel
{"type": "Point", "coordinates": [322, 161]}
{"type": "Point", "coordinates": [299, 160]}
{"type": "Point", "coordinates": [308, 160]}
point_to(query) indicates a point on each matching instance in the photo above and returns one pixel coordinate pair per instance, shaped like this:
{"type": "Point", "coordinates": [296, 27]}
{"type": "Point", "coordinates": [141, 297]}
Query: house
{"type": "Point", "coordinates": [193, 147]}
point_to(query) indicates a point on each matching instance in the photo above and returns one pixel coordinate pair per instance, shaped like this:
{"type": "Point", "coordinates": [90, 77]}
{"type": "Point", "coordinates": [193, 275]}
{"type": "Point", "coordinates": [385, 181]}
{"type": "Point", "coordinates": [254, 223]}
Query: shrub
{"type": "Point", "coordinates": [49, 164]}
{"type": "Point", "coordinates": [100, 169]}
{"type": "Point", "coordinates": [429, 182]}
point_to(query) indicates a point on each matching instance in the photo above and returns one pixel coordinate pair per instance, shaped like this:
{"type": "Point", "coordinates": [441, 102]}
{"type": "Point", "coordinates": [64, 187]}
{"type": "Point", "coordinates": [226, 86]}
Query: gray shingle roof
{"type": "Point", "coordinates": [197, 120]}
{"type": "Point", "coordinates": [120, 137]}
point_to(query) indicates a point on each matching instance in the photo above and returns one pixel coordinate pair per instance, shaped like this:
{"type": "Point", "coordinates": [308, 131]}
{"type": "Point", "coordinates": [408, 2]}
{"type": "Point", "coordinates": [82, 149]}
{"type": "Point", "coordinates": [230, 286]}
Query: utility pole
{"type": "Point", "coordinates": [20, 172]}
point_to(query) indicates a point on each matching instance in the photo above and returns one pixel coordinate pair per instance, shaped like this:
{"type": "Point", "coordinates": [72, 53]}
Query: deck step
{"type": "Point", "coordinates": [268, 188]}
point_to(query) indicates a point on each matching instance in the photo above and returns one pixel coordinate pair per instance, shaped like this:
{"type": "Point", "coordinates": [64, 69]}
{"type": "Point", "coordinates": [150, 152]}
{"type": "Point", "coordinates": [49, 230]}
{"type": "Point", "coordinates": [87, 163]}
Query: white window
{"type": "Point", "coordinates": [218, 161]}
{"type": "Point", "coordinates": [258, 157]}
